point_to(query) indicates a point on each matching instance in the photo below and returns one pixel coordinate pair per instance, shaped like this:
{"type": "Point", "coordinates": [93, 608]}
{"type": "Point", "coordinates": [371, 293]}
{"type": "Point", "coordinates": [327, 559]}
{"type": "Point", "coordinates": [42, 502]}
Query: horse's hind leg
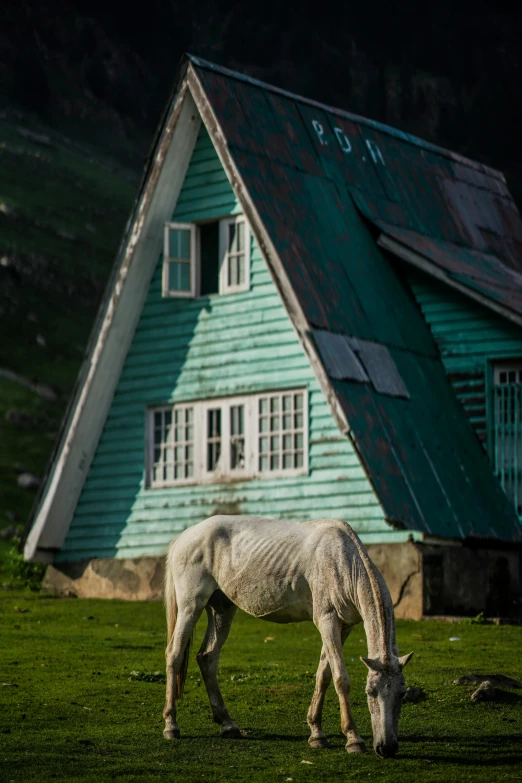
{"type": "Point", "coordinates": [323, 678]}
{"type": "Point", "coordinates": [176, 651]}
{"type": "Point", "coordinates": [219, 623]}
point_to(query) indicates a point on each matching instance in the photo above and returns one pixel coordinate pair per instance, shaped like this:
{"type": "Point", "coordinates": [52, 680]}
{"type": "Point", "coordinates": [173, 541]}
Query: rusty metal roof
{"type": "Point", "coordinates": [312, 173]}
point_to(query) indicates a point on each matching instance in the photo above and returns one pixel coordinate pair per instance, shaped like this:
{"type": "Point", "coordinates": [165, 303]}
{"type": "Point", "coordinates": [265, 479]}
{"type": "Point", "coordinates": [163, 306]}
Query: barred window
{"type": "Point", "coordinates": [507, 429]}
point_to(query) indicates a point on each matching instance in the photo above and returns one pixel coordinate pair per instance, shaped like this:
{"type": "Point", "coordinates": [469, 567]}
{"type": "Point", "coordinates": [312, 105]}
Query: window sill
{"type": "Point", "coordinates": [222, 479]}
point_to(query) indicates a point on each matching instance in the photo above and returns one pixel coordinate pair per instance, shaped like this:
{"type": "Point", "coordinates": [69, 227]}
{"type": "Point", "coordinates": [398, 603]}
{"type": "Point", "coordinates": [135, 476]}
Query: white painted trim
{"type": "Point", "coordinates": [119, 314]}
{"type": "Point", "coordinates": [420, 262]}
{"type": "Point", "coordinates": [194, 259]}
{"type": "Point", "coordinates": [224, 287]}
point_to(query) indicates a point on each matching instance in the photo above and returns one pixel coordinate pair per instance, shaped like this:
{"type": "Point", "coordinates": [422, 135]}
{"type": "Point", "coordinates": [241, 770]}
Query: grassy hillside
{"type": "Point", "coordinates": [63, 208]}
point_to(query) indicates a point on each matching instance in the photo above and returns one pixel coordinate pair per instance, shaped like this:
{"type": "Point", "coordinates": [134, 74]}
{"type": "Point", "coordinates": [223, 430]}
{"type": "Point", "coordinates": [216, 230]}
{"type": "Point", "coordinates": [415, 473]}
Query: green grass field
{"type": "Point", "coordinates": [70, 712]}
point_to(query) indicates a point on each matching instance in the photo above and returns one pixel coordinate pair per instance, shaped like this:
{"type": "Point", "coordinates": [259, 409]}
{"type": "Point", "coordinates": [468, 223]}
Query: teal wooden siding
{"type": "Point", "coordinates": [214, 346]}
{"type": "Point", "coordinates": [470, 337]}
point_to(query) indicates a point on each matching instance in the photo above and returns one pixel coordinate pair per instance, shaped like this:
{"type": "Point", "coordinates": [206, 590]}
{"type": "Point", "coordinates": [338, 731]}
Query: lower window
{"type": "Point", "coordinates": [261, 435]}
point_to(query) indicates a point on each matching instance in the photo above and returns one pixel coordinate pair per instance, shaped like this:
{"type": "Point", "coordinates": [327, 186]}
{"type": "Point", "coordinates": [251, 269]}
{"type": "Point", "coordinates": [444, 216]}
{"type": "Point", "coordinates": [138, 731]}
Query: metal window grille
{"type": "Point", "coordinates": [281, 432]}
{"type": "Point", "coordinates": [507, 435]}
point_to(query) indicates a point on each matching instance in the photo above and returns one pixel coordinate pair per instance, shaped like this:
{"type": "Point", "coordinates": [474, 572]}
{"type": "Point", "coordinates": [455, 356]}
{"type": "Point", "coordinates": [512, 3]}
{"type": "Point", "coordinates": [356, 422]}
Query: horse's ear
{"type": "Point", "coordinates": [405, 659]}
{"type": "Point", "coordinates": [372, 664]}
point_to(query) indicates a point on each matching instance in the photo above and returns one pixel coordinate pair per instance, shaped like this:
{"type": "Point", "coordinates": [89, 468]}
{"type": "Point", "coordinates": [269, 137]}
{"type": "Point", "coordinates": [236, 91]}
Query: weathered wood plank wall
{"type": "Point", "coordinates": [211, 347]}
{"type": "Point", "coordinates": [470, 337]}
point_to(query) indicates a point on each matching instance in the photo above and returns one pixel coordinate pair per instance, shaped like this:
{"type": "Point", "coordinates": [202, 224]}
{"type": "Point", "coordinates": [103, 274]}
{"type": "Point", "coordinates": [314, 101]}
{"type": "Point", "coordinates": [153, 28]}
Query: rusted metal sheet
{"type": "Point", "coordinates": [380, 367]}
{"type": "Point", "coordinates": [477, 270]}
{"type": "Point", "coordinates": [310, 171]}
{"type": "Point", "coordinates": [340, 361]}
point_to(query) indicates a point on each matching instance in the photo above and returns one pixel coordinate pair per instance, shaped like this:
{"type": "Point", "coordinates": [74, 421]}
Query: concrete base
{"type": "Point", "coordinates": [133, 580]}
{"type": "Point", "coordinates": [422, 579]}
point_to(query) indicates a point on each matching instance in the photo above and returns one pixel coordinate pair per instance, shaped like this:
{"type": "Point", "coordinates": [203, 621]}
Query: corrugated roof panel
{"type": "Point", "coordinates": [340, 362]}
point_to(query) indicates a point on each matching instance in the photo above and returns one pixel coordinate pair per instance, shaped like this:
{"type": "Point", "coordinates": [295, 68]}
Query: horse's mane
{"type": "Point", "coordinates": [378, 597]}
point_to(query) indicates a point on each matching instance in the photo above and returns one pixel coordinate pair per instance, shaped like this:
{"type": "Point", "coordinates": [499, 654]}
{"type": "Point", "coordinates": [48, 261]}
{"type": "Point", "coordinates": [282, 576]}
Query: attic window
{"type": "Point", "coordinates": [207, 258]}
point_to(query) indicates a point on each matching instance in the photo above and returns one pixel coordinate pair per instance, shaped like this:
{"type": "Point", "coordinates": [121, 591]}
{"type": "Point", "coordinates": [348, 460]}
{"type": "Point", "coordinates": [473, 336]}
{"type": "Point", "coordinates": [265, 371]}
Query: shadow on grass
{"type": "Point", "coordinates": [487, 750]}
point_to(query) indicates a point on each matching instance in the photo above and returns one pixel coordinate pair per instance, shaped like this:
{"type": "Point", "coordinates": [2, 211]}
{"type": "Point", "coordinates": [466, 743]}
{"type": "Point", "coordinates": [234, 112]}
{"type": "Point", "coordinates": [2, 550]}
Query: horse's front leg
{"type": "Point", "coordinates": [330, 629]}
{"type": "Point", "coordinates": [323, 678]}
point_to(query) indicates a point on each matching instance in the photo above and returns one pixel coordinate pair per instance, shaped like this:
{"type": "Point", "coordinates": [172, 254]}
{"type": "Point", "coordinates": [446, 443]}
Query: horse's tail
{"type": "Point", "coordinates": [171, 608]}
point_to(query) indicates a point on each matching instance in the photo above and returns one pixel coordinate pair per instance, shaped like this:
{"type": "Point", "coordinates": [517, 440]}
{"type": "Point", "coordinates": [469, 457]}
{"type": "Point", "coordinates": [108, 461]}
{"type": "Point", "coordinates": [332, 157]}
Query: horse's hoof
{"type": "Point", "coordinates": [231, 732]}
{"type": "Point", "coordinates": [356, 747]}
{"type": "Point", "coordinates": [318, 742]}
{"type": "Point", "coordinates": [172, 734]}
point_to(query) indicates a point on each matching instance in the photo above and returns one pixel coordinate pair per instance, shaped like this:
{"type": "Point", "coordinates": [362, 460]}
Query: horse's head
{"type": "Point", "coordinates": [385, 688]}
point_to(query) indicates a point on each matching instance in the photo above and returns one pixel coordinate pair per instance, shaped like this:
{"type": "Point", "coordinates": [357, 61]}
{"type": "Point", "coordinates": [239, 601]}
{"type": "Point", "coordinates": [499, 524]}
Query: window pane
{"type": "Point", "coordinates": [263, 405]}
{"type": "Point", "coordinates": [287, 421]}
{"type": "Point", "coordinates": [158, 417]}
{"type": "Point", "coordinates": [274, 404]}
{"type": "Point", "coordinates": [263, 424]}
{"type": "Point", "coordinates": [299, 459]}
{"type": "Point", "coordinates": [274, 443]}
{"type": "Point", "coordinates": [179, 243]}
{"type": "Point", "coordinates": [274, 423]}
{"type": "Point", "coordinates": [240, 236]}
{"type": "Point", "coordinates": [263, 463]}
{"type": "Point", "coordinates": [288, 461]}
{"type": "Point", "coordinates": [231, 237]}
{"type": "Point", "coordinates": [287, 402]}
{"type": "Point", "coordinates": [263, 445]}
{"type": "Point", "coordinates": [298, 421]}
{"type": "Point", "coordinates": [299, 441]}
{"type": "Point", "coordinates": [237, 453]}
{"type": "Point", "coordinates": [298, 401]}
{"type": "Point", "coordinates": [179, 276]}
{"type": "Point", "coordinates": [274, 462]}
{"type": "Point", "coordinates": [213, 438]}
{"type": "Point", "coordinates": [287, 443]}
{"type": "Point", "coordinates": [241, 269]}
{"type": "Point", "coordinates": [236, 419]}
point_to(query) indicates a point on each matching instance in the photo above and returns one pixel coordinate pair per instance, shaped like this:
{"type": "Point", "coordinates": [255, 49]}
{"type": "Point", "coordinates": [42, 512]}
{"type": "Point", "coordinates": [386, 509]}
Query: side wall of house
{"type": "Point", "coordinates": [211, 347]}
{"type": "Point", "coordinates": [470, 338]}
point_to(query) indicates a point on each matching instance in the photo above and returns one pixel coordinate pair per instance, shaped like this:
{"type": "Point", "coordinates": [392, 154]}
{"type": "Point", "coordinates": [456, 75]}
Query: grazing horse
{"type": "Point", "coordinates": [285, 572]}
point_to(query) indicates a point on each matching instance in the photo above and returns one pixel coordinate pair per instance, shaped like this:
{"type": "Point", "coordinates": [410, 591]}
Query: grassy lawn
{"type": "Point", "coordinates": [70, 712]}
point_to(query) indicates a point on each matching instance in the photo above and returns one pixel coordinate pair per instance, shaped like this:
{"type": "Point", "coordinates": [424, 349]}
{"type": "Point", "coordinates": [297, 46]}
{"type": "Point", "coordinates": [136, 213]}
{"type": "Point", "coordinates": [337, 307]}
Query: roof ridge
{"type": "Point", "coordinates": [390, 130]}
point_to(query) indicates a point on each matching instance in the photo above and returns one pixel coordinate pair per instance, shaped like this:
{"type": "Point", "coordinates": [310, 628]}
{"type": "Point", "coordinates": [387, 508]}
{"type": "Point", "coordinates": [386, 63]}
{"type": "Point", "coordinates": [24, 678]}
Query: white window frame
{"type": "Point", "coordinates": [250, 470]}
{"type": "Point", "coordinates": [224, 287]}
{"type": "Point", "coordinates": [195, 258]}
{"type": "Point", "coordinates": [167, 292]}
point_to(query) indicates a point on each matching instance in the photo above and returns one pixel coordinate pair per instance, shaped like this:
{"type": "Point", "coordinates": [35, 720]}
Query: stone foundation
{"type": "Point", "coordinates": [423, 579]}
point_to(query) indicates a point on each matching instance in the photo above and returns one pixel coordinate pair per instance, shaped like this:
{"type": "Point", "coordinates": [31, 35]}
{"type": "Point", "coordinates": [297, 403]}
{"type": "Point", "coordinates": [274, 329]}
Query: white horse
{"type": "Point", "coordinates": [284, 572]}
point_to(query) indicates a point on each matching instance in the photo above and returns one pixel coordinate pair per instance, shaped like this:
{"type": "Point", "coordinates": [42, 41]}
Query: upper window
{"type": "Point", "coordinates": [207, 258]}
{"type": "Point", "coordinates": [261, 435]}
{"type": "Point", "coordinates": [507, 429]}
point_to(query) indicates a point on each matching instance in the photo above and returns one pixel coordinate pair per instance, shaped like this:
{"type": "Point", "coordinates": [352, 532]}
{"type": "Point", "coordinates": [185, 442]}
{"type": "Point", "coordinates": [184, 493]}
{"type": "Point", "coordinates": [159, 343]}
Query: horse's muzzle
{"type": "Point", "coordinates": [387, 750]}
